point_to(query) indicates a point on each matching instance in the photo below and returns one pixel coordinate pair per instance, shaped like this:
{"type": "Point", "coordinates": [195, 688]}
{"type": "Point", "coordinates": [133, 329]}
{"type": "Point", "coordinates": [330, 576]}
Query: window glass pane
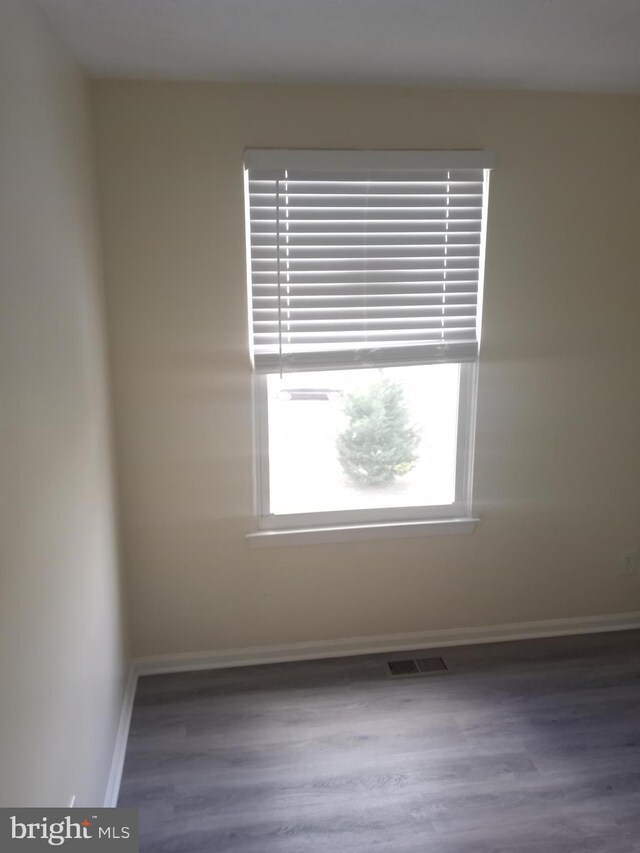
{"type": "Point", "coordinates": [363, 439]}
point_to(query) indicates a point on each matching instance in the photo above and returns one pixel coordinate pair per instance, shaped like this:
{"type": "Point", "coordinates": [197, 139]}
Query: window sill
{"type": "Point", "coordinates": [351, 533]}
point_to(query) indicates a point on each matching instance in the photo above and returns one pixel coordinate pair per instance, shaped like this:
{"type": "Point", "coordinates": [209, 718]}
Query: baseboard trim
{"type": "Point", "coordinates": [158, 664]}
{"type": "Point", "coordinates": [122, 735]}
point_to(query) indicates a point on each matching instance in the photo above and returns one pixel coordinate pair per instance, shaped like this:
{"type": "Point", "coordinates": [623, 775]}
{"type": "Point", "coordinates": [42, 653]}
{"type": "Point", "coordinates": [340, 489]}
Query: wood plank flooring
{"type": "Point", "coordinates": [523, 747]}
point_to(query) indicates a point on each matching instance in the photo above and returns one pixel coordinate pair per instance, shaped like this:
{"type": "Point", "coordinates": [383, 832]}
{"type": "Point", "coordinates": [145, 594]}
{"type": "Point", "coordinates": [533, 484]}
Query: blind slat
{"type": "Point", "coordinates": [382, 336]}
{"type": "Point", "coordinates": [333, 306]}
{"type": "Point", "coordinates": [298, 203]}
{"type": "Point", "coordinates": [384, 312]}
{"type": "Point", "coordinates": [356, 282]}
{"type": "Point", "coordinates": [262, 241]}
{"type": "Point", "coordinates": [400, 289]}
{"type": "Point", "coordinates": [351, 229]}
{"type": "Point", "coordinates": [451, 260]}
{"type": "Point", "coordinates": [319, 254]}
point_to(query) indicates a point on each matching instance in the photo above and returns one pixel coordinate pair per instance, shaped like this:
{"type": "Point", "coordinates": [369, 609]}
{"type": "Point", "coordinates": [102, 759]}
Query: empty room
{"type": "Point", "coordinates": [320, 408]}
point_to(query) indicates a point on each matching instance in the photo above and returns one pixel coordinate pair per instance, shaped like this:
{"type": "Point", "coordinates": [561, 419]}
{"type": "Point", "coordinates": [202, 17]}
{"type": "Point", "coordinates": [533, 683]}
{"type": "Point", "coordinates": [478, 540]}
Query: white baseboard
{"type": "Point", "coordinates": [117, 763]}
{"type": "Point", "coordinates": [158, 664]}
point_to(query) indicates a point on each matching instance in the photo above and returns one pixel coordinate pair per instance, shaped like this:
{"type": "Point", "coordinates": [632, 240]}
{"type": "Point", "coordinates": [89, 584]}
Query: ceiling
{"type": "Point", "coordinates": [565, 45]}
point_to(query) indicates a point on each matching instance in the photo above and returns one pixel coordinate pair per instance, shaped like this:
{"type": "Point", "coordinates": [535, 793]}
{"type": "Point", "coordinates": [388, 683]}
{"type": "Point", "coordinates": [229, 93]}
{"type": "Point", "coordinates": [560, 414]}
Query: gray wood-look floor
{"type": "Point", "coordinates": [525, 747]}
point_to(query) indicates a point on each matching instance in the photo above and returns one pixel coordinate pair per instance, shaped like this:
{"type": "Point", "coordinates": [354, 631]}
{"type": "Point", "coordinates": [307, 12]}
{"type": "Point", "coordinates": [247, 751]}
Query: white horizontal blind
{"type": "Point", "coordinates": [364, 258]}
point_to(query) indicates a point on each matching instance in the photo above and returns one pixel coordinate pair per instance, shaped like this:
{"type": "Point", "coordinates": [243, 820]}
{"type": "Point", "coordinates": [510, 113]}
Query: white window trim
{"type": "Point", "coordinates": [389, 522]}
{"type": "Point", "coordinates": [355, 532]}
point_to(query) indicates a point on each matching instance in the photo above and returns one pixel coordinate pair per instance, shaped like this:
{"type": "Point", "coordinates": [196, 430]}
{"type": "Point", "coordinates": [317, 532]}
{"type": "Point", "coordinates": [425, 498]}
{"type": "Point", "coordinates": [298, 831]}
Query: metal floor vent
{"type": "Point", "coordinates": [416, 666]}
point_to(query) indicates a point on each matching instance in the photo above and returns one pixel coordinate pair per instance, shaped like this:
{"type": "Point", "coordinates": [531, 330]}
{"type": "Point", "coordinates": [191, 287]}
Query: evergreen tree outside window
{"type": "Point", "coordinates": [379, 443]}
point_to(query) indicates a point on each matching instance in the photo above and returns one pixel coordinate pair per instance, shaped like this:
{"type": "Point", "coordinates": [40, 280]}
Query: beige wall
{"type": "Point", "coordinates": [558, 439]}
{"type": "Point", "coordinates": [61, 647]}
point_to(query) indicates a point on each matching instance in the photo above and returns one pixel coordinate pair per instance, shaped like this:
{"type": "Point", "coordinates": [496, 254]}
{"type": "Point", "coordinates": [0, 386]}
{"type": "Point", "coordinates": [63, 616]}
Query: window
{"type": "Point", "coordinates": [365, 285]}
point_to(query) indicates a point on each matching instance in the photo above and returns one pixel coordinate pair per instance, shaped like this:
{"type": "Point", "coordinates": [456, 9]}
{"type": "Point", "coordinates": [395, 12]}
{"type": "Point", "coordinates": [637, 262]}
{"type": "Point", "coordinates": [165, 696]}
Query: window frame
{"type": "Point", "coordinates": [331, 520]}
{"type": "Point", "coordinates": [390, 522]}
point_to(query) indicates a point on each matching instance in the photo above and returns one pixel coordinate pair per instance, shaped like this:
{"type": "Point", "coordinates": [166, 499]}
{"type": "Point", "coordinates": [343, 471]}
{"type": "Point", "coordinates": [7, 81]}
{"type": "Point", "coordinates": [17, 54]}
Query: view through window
{"type": "Point", "coordinates": [363, 439]}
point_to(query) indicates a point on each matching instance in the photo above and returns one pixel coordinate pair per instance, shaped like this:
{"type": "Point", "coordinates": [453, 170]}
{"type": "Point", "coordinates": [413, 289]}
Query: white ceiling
{"type": "Point", "coordinates": [569, 45]}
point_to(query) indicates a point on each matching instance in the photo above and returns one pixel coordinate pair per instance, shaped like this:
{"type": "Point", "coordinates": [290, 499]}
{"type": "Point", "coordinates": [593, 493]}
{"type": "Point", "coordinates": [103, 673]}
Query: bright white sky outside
{"type": "Point", "coordinates": [305, 474]}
